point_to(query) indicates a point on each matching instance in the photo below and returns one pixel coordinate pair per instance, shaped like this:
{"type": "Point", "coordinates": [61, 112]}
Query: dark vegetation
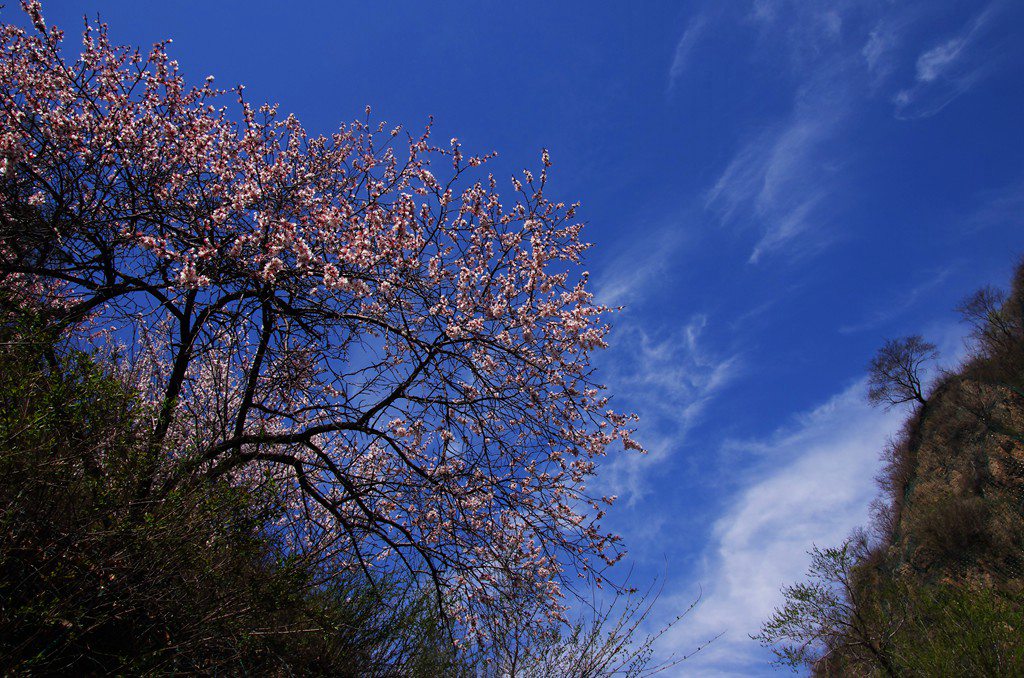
{"type": "Point", "coordinates": [935, 586]}
{"type": "Point", "coordinates": [96, 580]}
{"type": "Point", "coordinates": [93, 580]}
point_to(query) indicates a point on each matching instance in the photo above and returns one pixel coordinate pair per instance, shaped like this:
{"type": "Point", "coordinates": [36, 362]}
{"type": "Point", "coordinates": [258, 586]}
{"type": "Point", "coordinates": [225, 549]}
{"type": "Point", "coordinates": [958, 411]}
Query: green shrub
{"type": "Point", "coordinates": [960, 631]}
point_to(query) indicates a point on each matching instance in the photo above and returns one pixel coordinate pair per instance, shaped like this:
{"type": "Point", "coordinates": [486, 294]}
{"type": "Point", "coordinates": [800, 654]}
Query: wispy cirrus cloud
{"type": "Point", "coordinates": [997, 207]}
{"type": "Point", "coordinates": [669, 378]}
{"type": "Point", "coordinates": [880, 44]}
{"type": "Point", "coordinates": [778, 180]}
{"type": "Point", "coordinates": [806, 32]}
{"type": "Point", "coordinates": [883, 48]}
{"type": "Point", "coordinates": [684, 46]}
{"type": "Point", "coordinates": [899, 303]}
{"type": "Point", "coordinates": [793, 222]}
{"type": "Point", "coordinates": [638, 266]}
{"type": "Point", "coordinates": [948, 69]}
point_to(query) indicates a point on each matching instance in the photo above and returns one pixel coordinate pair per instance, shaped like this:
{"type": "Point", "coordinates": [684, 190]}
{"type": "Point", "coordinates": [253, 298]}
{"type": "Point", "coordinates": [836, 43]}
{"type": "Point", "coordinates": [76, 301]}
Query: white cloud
{"type": "Point", "coordinates": [898, 303]}
{"type": "Point", "coordinates": [812, 484]}
{"type": "Point", "coordinates": [640, 264]}
{"type": "Point", "coordinates": [668, 379]}
{"type": "Point", "coordinates": [774, 181]}
{"type": "Point", "coordinates": [931, 64]}
{"type": "Point", "coordinates": [878, 45]}
{"type": "Point", "coordinates": [881, 49]}
{"type": "Point", "coordinates": [777, 180]}
{"type": "Point", "coordinates": [684, 46]}
{"type": "Point", "coordinates": [780, 181]}
{"type": "Point", "coordinates": [998, 206]}
{"type": "Point", "coordinates": [810, 31]}
{"type": "Point", "coordinates": [790, 225]}
{"type": "Point", "coordinates": [948, 69]}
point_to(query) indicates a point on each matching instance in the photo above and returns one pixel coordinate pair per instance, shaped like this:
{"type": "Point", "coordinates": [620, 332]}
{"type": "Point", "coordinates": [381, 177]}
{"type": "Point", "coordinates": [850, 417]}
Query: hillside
{"type": "Point", "coordinates": [955, 477]}
{"type": "Point", "coordinates": [935, 584]}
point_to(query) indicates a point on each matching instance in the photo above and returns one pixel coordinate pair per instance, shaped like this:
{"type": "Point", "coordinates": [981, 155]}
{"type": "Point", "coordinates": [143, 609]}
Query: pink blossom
{"type": "Point", "coordinates": [408, 357]}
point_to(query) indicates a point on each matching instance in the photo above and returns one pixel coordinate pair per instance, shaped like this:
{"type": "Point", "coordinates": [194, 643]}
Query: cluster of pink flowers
{"type": "Point", "coordinates": [407, 353]}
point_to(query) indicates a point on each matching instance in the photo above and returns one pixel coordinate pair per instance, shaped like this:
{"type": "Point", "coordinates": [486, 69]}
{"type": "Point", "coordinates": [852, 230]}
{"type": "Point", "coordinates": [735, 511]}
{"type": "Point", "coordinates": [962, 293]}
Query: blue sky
{"type": "Point", "coordinates": [773, 187]}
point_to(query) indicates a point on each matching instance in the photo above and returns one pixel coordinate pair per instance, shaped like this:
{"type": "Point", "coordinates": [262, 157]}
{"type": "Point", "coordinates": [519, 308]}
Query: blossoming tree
{"type": "Point", "coordinates": [402, 350]}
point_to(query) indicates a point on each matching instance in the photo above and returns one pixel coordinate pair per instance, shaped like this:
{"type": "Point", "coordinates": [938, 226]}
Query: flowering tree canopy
{"type": "Point", "coordinates": [407, 356]}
